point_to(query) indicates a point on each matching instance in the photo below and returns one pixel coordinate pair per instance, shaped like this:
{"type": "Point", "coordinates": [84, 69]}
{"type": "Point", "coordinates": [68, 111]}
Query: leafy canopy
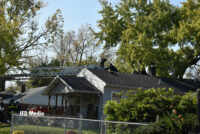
{"type": "Point", "coordinates": [149, 32]}
{"type": "Point", "coordinates": [19, 32]}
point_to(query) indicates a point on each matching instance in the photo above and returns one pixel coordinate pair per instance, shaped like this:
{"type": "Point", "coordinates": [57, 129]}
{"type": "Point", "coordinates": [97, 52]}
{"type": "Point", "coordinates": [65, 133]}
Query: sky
{"type": "Point", "coordinates": [78, 12]}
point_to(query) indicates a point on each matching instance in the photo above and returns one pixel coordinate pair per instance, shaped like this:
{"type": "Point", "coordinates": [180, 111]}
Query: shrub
{"type": "Point", "coordinates": [144, 105]}
{"type": "Point", "coordinates": [152, 128]}
{"type": "Point", "coordinates": [190, 123]}
{"type": "Point", "coordinates": [170, 124]}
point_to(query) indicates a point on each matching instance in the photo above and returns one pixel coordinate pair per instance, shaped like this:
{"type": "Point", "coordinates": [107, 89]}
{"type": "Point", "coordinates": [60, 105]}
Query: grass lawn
{"type": "Point", "coordinates": [5, 129]}
{"type": "Point", "coordinates": [31, 129]}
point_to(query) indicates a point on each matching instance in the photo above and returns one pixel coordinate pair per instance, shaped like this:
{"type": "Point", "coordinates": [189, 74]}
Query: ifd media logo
{"type": "Point", "coordinates": [31, 113]}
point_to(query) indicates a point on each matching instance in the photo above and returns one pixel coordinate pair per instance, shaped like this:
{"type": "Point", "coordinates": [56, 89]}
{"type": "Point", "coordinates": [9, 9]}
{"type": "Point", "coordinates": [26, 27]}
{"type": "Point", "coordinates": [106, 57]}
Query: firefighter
{"type": "Point", "coordinates": [11, 108]}
{"type": "Point", "coordinates": [18, 107]}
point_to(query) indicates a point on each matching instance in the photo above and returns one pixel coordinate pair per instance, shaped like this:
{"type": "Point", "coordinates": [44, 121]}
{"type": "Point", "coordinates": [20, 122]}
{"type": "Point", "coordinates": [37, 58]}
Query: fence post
{"type": "Point", "coordinates": [65, 126]}
{"type": "Point", "coordinates": [105, 128]}
{"type": "Point", "coordinates": [37, 125]}
{"type": "Point", "coordinates": [12, 122]}
{"type": "Point", "coordinates": [101, 131]}
{"type": "Point", "coordinates": [80, 124]}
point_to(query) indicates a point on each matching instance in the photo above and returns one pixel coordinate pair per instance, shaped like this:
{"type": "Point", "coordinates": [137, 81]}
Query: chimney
{"type": "Point", "coordinates": [101, 64]}
{"type": "Point", "coordinates": [143, 72]}
{"type": "Point", "coordinates": [152, 70]}
{"type": "Point", "coordinates": [23, 88]}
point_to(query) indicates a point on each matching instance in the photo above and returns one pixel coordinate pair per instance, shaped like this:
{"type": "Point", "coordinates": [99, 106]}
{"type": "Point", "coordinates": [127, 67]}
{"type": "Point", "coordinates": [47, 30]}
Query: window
{"type": "Point", "coordinates": [116, 96]}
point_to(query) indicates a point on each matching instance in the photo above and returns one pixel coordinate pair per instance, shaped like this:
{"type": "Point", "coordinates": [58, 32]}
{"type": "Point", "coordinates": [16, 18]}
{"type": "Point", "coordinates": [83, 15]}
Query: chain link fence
{"type": "Point", "coordinates": [65, 125]}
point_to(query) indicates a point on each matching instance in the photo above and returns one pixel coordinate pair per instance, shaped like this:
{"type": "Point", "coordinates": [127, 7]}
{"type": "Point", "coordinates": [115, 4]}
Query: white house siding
{"type": "Point", "coordinates": [93, 79]}
{"type": "Point", "coordinates": [60, 88]}
{"type": "Point", "coordinates": [109, 90]}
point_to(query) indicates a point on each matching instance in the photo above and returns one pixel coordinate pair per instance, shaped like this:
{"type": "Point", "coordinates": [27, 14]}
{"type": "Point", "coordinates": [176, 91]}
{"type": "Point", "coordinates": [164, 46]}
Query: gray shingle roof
{"type": "Point", "coordinates": [79, 83]}
{"type": "Point", "coordinates": [143, 81]}
{"type": "Point", "coordinates": [34, 96]}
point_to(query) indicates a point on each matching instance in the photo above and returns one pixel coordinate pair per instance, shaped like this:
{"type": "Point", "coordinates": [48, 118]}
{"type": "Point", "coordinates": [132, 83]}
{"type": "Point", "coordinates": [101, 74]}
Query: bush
{"type": "Point", "coordinates": [190, 123]}
{"type": "Point", "coordinates": [145, 105]}
{"type": "Point", "coordinates": [120, 129]}
{"type": "Point", "coordinates": [170, 124]}
{"type": "Point", "coordinates": [152, 128]}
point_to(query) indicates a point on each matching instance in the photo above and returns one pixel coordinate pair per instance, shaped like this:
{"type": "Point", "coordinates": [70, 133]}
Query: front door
{"type": "Point", "coordinates": [92, 111]}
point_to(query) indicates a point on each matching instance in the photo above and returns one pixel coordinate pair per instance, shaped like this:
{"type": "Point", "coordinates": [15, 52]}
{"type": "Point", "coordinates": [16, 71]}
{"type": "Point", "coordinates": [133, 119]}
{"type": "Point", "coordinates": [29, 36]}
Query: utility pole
{"type": "Point", "coordinates": [198, 106]}
{"type": "Point", "coordinates": [198, 102]}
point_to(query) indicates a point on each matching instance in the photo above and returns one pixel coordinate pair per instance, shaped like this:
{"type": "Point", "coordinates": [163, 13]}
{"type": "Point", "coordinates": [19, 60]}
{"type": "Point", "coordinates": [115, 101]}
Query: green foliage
{"type": "Point", "coordinates": [148, 31]}
{"type": "Point", "coordinates": [19, 32]}
{"type": "Point", "coordinates": [170, 124]}
{"type": "Point", "coordinates": [188, 103]}
{"type": "Point", "coordinates": [144, 105]}
{"type": "Point", "coordinates": [115, 128]}
{"type": "Point", "coordinates": [189, 123]}
{"type": "Point", "coordinates": [5, 128]}
{"type": "Point", "coordinates": [151, 128]}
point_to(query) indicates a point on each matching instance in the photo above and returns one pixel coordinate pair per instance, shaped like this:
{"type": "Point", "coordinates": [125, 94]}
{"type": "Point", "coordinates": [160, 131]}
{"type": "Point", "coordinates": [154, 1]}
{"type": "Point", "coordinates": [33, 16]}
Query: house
{"type": "Point", "coordinates": [30, 99]}
{"type": "Point", "coordinates": [87, 92]}
{"type": "Point", "coordinates": [33, 97]}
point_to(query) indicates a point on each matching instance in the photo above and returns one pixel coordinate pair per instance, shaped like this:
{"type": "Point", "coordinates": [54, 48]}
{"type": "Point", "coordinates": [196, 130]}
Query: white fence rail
{"type": "Point", "coordinates": [66, 125]}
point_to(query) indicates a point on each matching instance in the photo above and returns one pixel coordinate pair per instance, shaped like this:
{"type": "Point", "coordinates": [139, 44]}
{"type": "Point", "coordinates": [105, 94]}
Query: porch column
{"type": "Point", "coordinates": [62, 103]}
{"type": "Point", "coordinates": [56, 102]}
{"type": "Point", "coordinates": [81, 100]}
{"type": "Point", "coordinates": [65, 104]}
{"type": "Point", "coordinates": [100, 106]}
{"type": "Point", "coordinates": [75, 104]}
{"type": "Point", "coordinates": [49, 103]}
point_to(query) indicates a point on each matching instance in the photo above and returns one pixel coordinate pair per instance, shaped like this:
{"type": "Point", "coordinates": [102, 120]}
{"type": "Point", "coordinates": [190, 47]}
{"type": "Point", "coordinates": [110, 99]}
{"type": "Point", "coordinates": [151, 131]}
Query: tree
{"type": "Point", "coordinates": [19, 32]}
{"type": "Point", "coordinates": [144, 105]}
{"type": "Point", "coordinates": [152, 32]}
{"type": "Point", "coordinates": [76, 48]}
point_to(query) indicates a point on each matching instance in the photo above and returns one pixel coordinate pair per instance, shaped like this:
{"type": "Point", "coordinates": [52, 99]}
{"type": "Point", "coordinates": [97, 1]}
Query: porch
{"type": "Point", "coordinates": [77, 96]}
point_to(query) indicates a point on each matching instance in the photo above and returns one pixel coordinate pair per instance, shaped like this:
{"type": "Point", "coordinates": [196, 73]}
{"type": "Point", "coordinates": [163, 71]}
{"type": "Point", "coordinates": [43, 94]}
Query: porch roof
{"type": "Point", "coordinates": [70, 84]}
